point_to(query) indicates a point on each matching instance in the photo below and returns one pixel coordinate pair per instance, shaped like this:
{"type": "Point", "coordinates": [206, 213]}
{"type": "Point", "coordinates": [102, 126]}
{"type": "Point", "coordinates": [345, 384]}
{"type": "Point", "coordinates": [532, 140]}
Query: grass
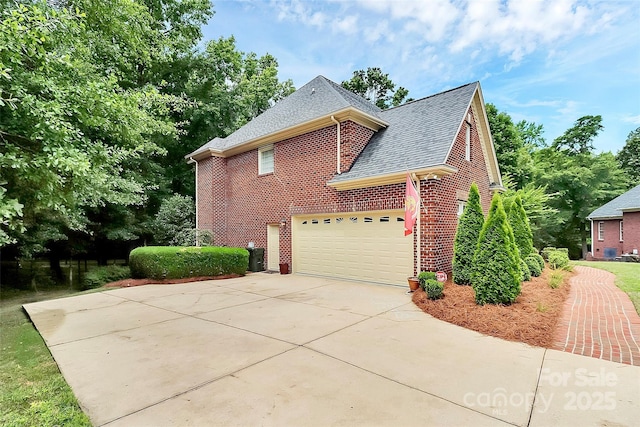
{"type": "Point", "coordinates": [556, 278]}
{"type": "Point", "coordinates": [627, 276]}
{"type": "Point", "coordinates": [33, 392]}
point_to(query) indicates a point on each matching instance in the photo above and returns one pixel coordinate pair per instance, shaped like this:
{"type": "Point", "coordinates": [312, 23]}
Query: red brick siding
{"type": "Point", "coordinates": [439, 224]}
{"type": "Point", "coordinates": [212, 197]}
{"type": "Point", "coordinates": [353, 139]}
{"type": "Point", "coordinates": [245, 203]}
{"type": "Point", "coordinates": [302, 166]}
{"type": "Point", "coordinates": [611, 238]}
{"type": "Point", "coordinates": [631, 228]}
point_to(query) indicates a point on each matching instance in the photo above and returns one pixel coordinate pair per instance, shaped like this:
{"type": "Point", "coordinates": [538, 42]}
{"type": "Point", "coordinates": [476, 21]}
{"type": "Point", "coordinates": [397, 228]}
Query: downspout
{"type": "Point", "coordinates": [196, 176]}
{"type": "Point", "coordinates": [333, 119]}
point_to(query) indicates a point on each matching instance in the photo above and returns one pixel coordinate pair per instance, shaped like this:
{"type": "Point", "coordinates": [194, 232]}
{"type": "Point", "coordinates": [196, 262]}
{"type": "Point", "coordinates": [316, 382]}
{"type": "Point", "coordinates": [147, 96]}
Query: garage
{"type": "Point", "coordinates": [368, 246]}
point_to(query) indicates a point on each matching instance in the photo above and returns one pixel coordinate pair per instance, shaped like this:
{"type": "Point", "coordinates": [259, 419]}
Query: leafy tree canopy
{"type": "Point", "coordinates": [629, 156]}
{"type": "Point", "coordinates": [377, 87]}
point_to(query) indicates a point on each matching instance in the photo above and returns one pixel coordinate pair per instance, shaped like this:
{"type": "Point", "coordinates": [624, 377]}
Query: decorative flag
{"type": "Point", "coordinates": [411, 207]}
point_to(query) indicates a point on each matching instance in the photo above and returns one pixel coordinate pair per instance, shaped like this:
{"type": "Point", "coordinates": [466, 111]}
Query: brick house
{"type": "Point", "coordinates": [318, 180]}
{"type": "Point", "coordinates": [615, 227]}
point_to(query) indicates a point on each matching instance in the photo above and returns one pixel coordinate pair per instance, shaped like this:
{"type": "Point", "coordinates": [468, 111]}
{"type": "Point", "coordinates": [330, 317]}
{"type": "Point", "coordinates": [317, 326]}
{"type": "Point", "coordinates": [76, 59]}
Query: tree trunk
{"type": "Point", "coordinates": [54, 265]}
{"type": "Point", "coordinates": [583, 238]}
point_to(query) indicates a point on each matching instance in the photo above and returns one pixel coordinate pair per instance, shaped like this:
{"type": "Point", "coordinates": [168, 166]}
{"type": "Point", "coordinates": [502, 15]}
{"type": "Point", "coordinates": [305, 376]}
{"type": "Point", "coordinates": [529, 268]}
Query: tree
{"type": "Point", "coordinates": [466, 239]}
{"type": "Point", "coordinates": [578, 139]}
{"type": "Point", "coordinates": [175, 221]}
{"type": "Point", "coordinates": [629, 156]}
{"type": "Point", "coordinates": [377, 87]}
{"type": "Point", "coordinates": [580, 182]}
{"type": "Point", "coordinates": [496, 265]}
{"type": "Point", "coordinates": [519, 223]}
{"type": "Point", "coordinates": [513, 156]}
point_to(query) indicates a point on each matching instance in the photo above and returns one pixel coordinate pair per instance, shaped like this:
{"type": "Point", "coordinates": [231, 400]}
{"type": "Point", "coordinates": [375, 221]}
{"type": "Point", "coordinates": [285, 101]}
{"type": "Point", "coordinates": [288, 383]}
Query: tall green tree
{"type": "Point", "coordinates": [519, 223]}
{"type": "Point", "coordinates": [513, 155]}
{"type": "Point", "coordinates": [377, 87]}
{"type": "Point", "coordinates": [580, 181]}
{"type": "Point", "coordinates": [496, 273]}
{"type": "Point", "coordinates": [496, 264]}
{"type": "Point", "coordinates": [466, 239]}
{"type": "Point", "coordinates": [629, 156]}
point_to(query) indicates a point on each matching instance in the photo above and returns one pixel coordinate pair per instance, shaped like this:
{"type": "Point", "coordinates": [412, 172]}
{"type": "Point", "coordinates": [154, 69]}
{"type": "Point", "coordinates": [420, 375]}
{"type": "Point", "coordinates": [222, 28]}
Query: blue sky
{"type": "Point", "coordinates": [550, 62]}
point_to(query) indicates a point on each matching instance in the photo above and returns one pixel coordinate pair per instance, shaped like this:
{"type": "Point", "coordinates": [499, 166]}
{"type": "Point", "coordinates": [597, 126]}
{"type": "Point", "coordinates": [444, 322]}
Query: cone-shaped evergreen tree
{"type": "Point", "coordinates": [467, 235]}
{"type": "Point", "coordinates": [520, 225]}
{"type": "Point", "coordinates": [496, 264]}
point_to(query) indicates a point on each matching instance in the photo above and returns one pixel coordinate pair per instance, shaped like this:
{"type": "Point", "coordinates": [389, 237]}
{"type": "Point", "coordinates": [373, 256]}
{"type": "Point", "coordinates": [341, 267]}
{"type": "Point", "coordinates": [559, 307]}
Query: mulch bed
{"type": "Point", "coordinates": [126, 283]}
{"type": "Point", "coordinates": [531, 319]}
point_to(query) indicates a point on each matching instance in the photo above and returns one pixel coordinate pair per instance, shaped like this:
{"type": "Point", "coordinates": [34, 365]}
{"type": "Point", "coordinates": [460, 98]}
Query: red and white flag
{"type": "Point", "coordinates": [411, 207]}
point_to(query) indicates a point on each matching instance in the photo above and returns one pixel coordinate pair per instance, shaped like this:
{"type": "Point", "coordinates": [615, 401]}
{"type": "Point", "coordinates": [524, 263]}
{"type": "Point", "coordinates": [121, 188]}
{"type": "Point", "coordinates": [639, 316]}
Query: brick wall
{"type": "Point", "coordinates": [302, 166]}
{"type": "Point", "coordinates": [439, 223]}
{"type": "Point", "coordinates": [631, 228]}
{"type": "Point", "coordinates": [238, 210]}
{"type": "Point", "coordinates": [611, 238]}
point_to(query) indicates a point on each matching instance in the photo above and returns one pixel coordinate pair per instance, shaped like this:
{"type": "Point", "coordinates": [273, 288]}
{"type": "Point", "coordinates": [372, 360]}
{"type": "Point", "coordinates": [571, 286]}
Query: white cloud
{"type": "Point", "coordinates": [632, 119]}
{"type": "Point", "coordinates": [346, 25]}
{"type": "Point", "coordinates": [298, 11]}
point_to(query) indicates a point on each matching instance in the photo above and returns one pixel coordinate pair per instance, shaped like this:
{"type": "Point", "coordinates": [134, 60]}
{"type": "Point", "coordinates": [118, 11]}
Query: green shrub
{"type": "Point", "coordinates": [433, 288]}
{"type": "Point", "coordinates": [171, 262]}
{"type": "Point", "coordinates": [175, 221]}
{"type": "Point", "coordinates": [99, 276]}
{"type": "Point", "coordinates": [526, 273]}
{"type": "Point", "coordinates": [556, 279]}
{"type": "Point", "coordinates": [466, 238]}
{"type": "Point", "coordinates": [538, 258]}
{"type": "Point", "coordinates": [546, 251]}
{"type": "Point", "coordinates": [424, 276]}
{"type": "Point", "coordinates": [496, 264]}
{"type": "Point", "coordinates": [558, 259]}
{"type": "Point", "coordinates": [519, 223]}
{"type": "Point", "coordinates": [534, 266]}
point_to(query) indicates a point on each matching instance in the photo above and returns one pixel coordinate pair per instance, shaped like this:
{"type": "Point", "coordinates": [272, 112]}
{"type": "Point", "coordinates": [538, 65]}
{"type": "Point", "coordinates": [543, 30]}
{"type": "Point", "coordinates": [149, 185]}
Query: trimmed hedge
{"type": "Point", "coordinates": [173, 262]}
{"type": "Point", "coordinates": [559, 258]}
{"type": "Point", "coordinates": [99, 276]}
{"type": "Point", "coordinates": [426, 275]}
{"type": "Point", "coordinates": [526, 272]}
{"type": "Point", "coordinates": [534, 266]}
{"type": "Point", "coordinates": [538, 258]}
{"type": "Point", "coordinates": [433, 288]}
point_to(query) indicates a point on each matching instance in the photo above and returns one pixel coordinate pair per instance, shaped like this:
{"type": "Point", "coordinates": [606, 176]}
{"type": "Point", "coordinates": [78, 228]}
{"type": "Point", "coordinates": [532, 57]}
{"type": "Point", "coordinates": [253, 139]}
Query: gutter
{"type": "Point", "coordinates": [338, 168]}
{"type": "Point", "coordinates": [192, 160]}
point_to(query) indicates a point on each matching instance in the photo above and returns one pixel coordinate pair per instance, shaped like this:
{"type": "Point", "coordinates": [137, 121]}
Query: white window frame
{"type": "Point", "coordinates": [261, 152]}
{"type": "Point", "coordinates": [461, 205]}
{"type": "Point", "coordinates": [621, 231]}
{"type": "Point", "coordinates": [600, 231]}
{"type": "Point", "coordinates": [467, 147]}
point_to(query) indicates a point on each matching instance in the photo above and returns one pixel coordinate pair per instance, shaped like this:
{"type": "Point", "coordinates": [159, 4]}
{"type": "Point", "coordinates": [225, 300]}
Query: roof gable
{"type": "Point", "coordinates": [626, 202]}
{"type": "Point", "coordinates": [318, 99]}
{"type": "Point", "coordinates": [419, 137]}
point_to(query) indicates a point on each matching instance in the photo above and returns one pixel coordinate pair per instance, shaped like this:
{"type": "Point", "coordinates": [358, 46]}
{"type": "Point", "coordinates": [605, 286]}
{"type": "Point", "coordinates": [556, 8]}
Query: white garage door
{"type": "Point", "coordinates": [368, 246]}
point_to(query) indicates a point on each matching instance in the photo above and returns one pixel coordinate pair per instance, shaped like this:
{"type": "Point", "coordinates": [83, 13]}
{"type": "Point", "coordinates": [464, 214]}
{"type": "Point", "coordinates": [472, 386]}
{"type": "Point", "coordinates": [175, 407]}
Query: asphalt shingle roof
{"type": "Point", "coordinates": [613, 209]}
{"type": "Point", "coordinates": [318, 98]}
{"type": "Point", "coordinates": [419, 135]}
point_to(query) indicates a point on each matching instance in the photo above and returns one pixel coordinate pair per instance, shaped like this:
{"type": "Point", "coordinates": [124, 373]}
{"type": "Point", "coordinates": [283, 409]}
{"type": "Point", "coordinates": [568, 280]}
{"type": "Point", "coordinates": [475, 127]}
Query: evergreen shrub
{"type": "Point", "coordinates": [526, 273]}
{"type": "Point", "coordinates": [533, 265]}
{"type": "Point", "coordinates": [538, 258]}
{"type": "Point", "coordinates": [545, 252]}
{"type": "Point", "coordinates": [519, 223]}
{"type": "Point", "coordinates": [466, 238]}
{"type": "Point", "coordinates": [174, 262]}
{"type": "Point", "coordinates": [496, 264]}
{"type": "Point", "coordinates": [99, 276]}
{"type": "Point", "coordinates": [559, 259]}
{"type": "Point", "coordinates": [433, 289]}
{"type": "Point", "coordinates": [426, 275]}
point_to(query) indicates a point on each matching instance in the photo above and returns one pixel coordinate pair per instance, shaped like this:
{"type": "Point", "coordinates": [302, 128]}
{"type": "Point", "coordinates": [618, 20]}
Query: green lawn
{"type": "Point", "coordinates": [627, 276]}
{"type": "Point", "coordinates": [32, 389]}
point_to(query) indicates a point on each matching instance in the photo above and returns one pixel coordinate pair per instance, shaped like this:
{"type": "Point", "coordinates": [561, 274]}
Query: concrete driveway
{"type": "Point", "coordinates": [267, 349]}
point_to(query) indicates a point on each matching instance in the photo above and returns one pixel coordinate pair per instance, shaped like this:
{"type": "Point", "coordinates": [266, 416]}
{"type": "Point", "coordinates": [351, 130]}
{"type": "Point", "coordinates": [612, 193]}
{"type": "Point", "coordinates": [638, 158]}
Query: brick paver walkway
{"type": "Point", "coordinates": [598, 319]}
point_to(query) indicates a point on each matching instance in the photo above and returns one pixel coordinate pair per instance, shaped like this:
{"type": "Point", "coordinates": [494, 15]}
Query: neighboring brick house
{"type": "Point", "coordinates": [319, 181]}
{"type": "Point", "coordinates": [615, 227]}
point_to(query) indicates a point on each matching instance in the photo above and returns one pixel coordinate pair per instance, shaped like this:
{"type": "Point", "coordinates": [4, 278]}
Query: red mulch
{"type": "Point", "coordinates": [531, 319]}
{"type": "Point", "coordinates": [126, 283]}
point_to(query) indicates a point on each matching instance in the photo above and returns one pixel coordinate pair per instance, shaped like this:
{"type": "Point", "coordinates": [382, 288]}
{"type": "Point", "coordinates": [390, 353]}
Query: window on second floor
{"type": "Point", "coordinates": [265, 160]}
{"type": "Point", "coordinates": [600, 230]}
{"type": "Point", "coordinates": [621, 231]}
